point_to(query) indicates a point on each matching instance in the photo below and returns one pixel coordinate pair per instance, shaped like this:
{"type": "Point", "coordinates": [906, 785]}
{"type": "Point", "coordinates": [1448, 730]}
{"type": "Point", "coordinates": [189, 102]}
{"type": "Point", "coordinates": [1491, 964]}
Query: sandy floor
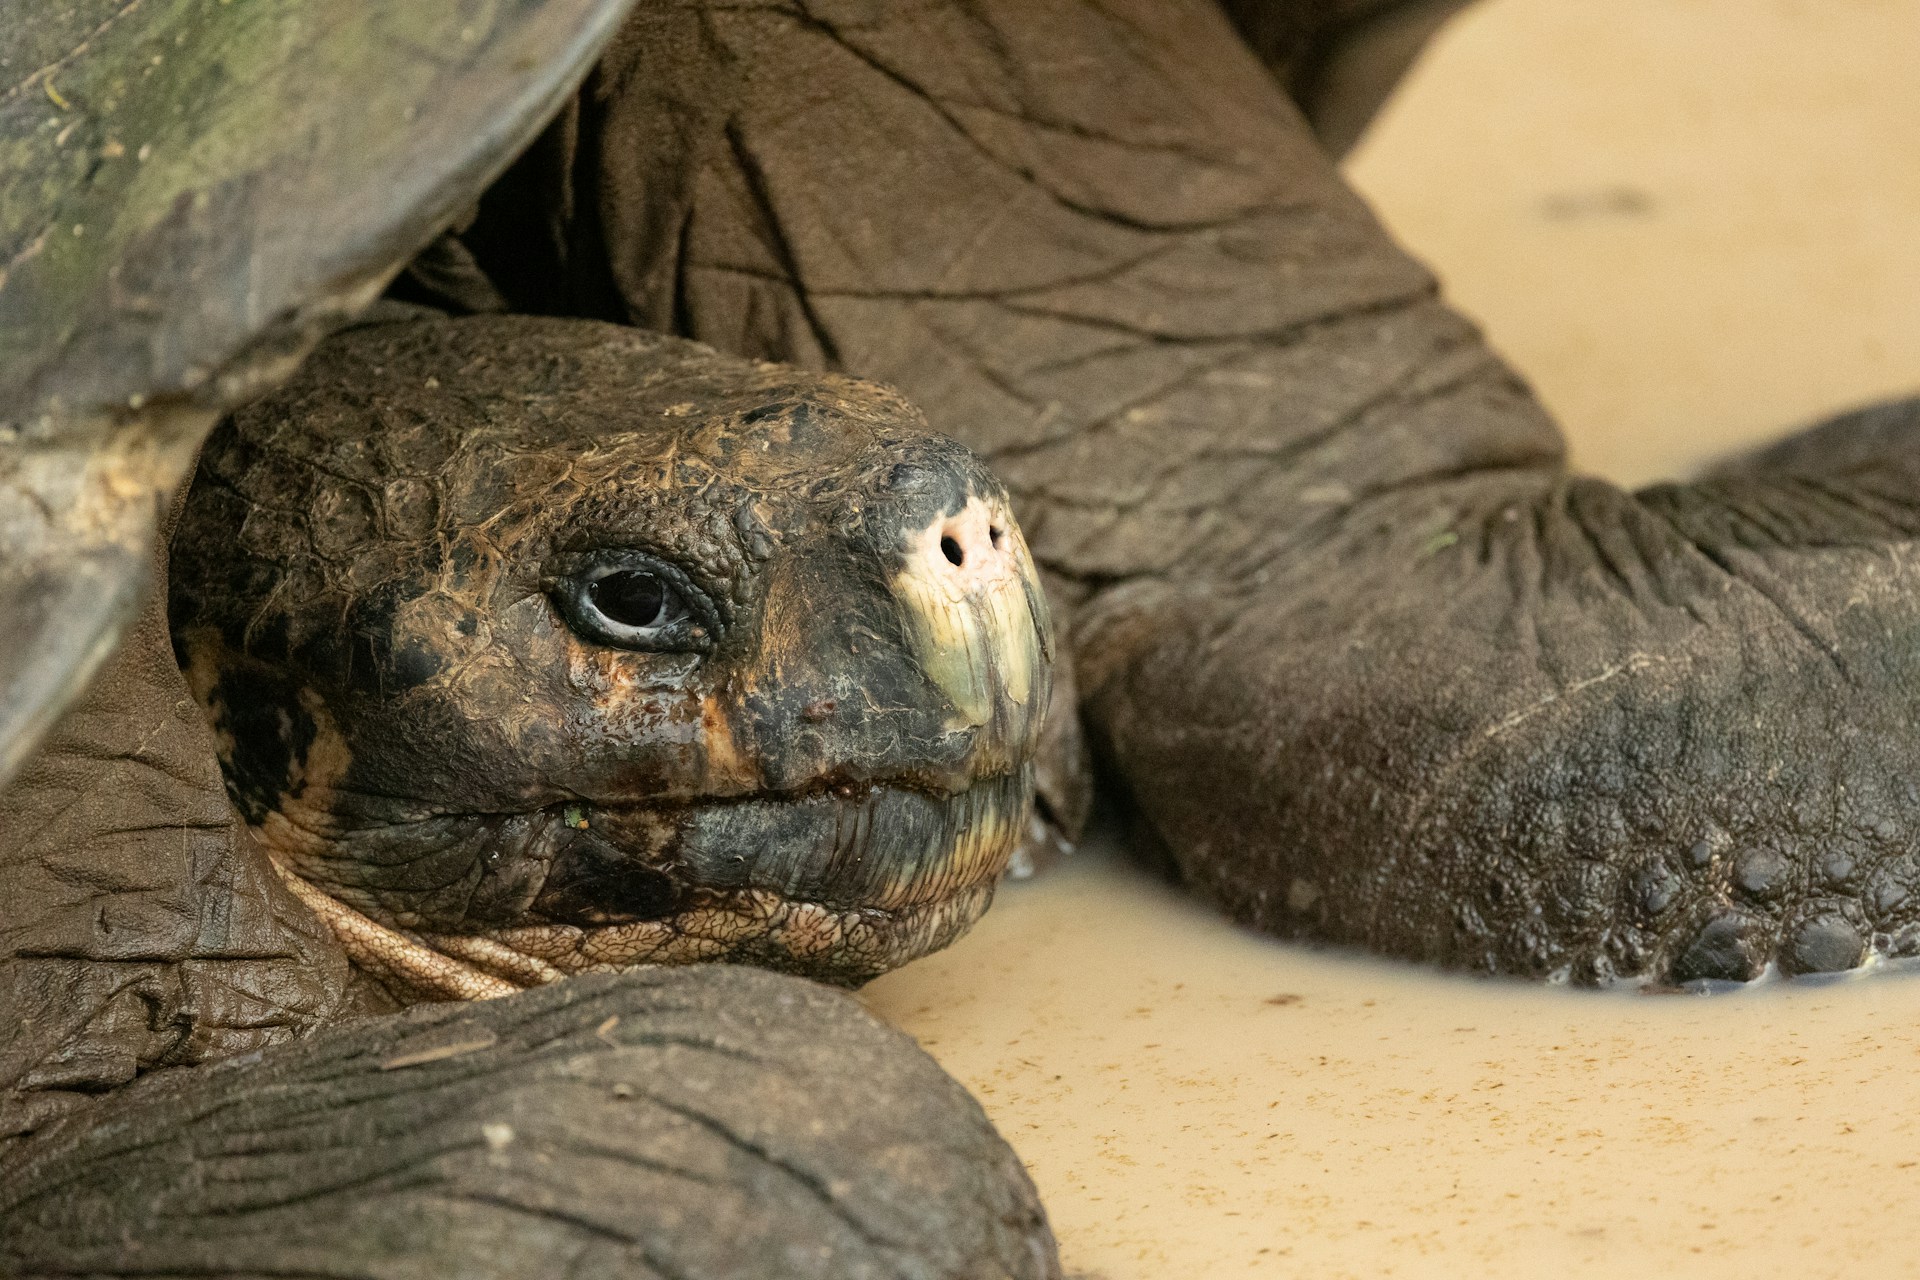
{"type": "Point", "coordinates": [1692, 223]}
{"type": "Point", "coordinates": [1195, 1101]}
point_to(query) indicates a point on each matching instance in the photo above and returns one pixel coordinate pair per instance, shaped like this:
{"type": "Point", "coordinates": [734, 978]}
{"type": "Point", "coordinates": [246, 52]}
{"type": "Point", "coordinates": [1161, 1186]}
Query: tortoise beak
{"type": "Point", "coordinates": [977, 618]}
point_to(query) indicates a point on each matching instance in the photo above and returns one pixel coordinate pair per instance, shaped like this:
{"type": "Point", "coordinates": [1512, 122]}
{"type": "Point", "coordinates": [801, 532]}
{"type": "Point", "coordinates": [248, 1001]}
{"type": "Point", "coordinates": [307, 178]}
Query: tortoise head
{"type": "Point", "coordinates": [552, 646]}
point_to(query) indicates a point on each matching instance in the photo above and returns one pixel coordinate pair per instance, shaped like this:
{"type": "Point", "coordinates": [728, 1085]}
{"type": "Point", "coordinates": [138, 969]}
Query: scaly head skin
{"type": "Point", "coordinates": [537, 647]}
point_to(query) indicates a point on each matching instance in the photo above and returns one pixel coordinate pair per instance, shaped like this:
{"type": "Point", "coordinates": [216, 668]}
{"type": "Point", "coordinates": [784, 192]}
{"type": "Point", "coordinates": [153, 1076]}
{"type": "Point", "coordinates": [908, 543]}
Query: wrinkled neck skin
{"type": "Point", "coordinates": [1375, 667]}
{"type": "Point", "coordinates": [391, 584]}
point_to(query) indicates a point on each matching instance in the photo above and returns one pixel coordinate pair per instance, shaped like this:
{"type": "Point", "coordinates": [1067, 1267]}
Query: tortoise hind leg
{"type": "Point", "coordinates": [701, 1123]}
{"type": "Point", "coordinates": [1340, 60]}
{"type": "Point", "coordinates": [1879, 439]}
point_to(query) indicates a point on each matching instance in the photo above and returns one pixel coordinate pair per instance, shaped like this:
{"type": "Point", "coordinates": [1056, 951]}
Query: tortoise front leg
{"type": "Point", "coordinates": [692, 1124]}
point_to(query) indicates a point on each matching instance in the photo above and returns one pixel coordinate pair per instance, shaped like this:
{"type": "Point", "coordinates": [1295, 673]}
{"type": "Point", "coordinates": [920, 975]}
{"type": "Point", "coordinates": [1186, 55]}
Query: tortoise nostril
{"type": "Point", "coordinates": [974, 544]}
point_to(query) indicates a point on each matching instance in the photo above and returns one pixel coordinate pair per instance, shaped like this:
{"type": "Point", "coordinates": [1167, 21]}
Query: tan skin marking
{"type": "Point", "coordinates": [393, 957]}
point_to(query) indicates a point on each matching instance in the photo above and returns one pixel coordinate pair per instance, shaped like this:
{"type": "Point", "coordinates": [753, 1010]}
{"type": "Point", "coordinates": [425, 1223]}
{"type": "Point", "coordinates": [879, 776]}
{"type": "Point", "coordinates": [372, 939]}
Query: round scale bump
{"type": "Point", "coordinates": [1730, 946]}
{"type": "Point", "coordinates": [1837, 869]}
{"type": "Point", "coordinates": [1761, 874]}
{"type": "Point", "coordinates": [1823, 943]}
{"type": "Point", "coordinates": [1655, 888]}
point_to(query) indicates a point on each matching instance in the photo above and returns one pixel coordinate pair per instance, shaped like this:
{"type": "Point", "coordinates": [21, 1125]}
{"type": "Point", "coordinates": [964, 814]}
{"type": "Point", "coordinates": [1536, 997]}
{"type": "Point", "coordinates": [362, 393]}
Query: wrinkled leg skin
{"type": "Point", "coordinates": [677, 1123]}
{"type": "Point", "coordinates": [1374, 665]}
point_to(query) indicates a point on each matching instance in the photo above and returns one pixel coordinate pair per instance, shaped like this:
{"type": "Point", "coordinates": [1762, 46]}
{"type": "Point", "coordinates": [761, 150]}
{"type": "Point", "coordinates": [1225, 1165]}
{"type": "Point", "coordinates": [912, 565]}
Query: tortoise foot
{"type": "Point", "coordinates": [1530, 724]}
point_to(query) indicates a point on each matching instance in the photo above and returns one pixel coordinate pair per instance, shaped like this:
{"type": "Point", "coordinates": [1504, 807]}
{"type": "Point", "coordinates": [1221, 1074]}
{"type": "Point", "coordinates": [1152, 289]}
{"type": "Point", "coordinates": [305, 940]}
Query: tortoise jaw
{"type": "Point", "coordinates": [846, 946]}
{"type": "Point", "coordinates": [839, 884]}
{"type": "Point", "coordinates": [880, 845]}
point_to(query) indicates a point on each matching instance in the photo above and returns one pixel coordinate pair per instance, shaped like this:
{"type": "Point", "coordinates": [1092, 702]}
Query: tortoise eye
{"type": "Point", "coordinates": [634, 598]}
{"type": "Point", "coordinates": [629, 600]}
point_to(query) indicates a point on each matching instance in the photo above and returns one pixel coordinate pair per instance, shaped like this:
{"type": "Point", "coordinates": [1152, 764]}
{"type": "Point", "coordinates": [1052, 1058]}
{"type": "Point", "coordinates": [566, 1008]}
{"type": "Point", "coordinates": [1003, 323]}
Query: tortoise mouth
{"type": "Point", "coordinates": [882, 845]}
{"type": "Point", "coordinates": [838, 882]}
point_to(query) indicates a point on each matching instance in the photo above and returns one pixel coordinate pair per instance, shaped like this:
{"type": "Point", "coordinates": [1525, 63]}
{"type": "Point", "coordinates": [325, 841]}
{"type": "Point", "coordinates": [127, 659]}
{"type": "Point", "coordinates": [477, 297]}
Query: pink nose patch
{"type": "Point", "coordinates": [974, 609]}
{"type": "Point", "coordinates": [968, 552]}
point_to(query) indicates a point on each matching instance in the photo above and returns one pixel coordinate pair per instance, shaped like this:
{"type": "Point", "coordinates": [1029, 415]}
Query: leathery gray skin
{"type": "Point", "coordinates": [1366, 657]}
{"type": "Point", "coordinates": [560, 647]}
{"type": "Point", "coordinates": [708, 1121]}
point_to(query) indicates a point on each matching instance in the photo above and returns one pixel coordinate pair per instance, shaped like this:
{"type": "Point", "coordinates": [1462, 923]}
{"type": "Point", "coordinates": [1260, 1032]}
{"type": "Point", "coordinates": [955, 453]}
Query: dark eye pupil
{"type": "Point", "coordinates": [630, 598]}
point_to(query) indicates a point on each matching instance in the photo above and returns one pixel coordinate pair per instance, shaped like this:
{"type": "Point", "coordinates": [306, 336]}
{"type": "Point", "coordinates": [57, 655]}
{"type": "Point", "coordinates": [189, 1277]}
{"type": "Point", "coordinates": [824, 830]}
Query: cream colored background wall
{"type": "Point", "coordinates": [1691, 223]}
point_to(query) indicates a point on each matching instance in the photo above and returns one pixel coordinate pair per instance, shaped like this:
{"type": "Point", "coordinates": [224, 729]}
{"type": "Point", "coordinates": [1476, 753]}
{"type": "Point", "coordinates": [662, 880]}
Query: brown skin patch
{"type": "Point", "coordinates": [551, 646]}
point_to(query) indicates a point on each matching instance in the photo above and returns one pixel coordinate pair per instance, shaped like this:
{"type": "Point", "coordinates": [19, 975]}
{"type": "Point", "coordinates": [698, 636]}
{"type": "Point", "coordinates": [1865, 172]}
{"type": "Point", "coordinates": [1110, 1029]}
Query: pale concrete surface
{"type": "Point", "coordinates": [1196, 1102]}
{"type": "Point", "coordinates": [1691, 223]}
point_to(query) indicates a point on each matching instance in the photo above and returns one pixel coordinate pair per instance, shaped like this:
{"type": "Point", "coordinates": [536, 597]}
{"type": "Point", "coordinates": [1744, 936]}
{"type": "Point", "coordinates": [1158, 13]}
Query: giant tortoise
{"type": "Point", "coordinates": [538, 641]}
